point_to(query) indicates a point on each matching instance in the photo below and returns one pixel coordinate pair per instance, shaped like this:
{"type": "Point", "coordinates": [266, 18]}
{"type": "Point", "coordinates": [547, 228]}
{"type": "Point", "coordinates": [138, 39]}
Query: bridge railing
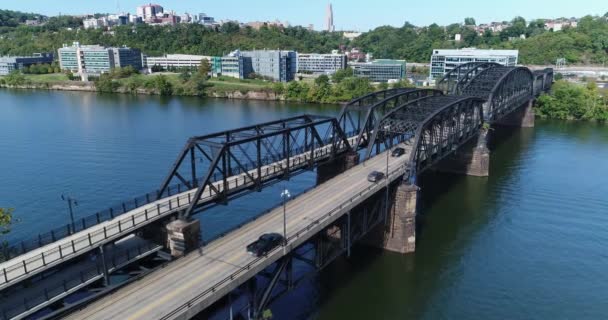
{"type": "Point", "coordinates": [65, 286]}
{"type": "Point", "coordinates": [118, 227]}
{"type": "Point", "coordinates": [42, 239]}
{"type": "Point", "coordinates": [399, 171]}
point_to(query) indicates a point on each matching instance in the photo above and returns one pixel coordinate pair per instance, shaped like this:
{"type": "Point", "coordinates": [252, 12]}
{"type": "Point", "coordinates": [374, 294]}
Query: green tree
{"type": "Point", "coordinates": [469, 22]}
{"type": "Point", "coordinates": [204, 68]}
{"type": "Point", "coordinates": [15, 78]}
{"type": "Point", "coordinates": [341, 74]}
{"type": "Point", "coordinates": [6, 220]}
{"type": "Point", "coordinates": [163, 85]}
{"type": "Point", "coordinates": [278, 88]}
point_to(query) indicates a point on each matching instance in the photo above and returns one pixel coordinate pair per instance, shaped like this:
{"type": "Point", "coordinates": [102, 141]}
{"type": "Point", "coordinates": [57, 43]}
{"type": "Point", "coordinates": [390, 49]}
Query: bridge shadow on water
{"type": "Point", "coordinates": [452, 209]}
{"type": "Point", "coordinates": [371, 282]}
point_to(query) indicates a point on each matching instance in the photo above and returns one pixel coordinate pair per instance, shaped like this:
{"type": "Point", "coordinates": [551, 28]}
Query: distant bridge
{"type": "Point", "coordinates": [436, 128]}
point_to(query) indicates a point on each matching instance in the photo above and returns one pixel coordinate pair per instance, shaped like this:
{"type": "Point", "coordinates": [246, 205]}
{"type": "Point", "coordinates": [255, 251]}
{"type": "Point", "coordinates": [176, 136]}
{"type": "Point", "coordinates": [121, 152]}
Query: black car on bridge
{"type": "Point", "coordinates": [397, 152]}
{"type": "Point", "coordinates": [264, 244]}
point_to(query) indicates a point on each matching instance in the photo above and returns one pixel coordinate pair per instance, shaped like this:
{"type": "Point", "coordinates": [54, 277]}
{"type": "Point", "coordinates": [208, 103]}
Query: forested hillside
{"type": "Point", "coordinates": [586, 44]}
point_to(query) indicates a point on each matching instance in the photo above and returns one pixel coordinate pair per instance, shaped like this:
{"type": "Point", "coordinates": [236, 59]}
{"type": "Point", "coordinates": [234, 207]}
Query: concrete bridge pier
{"type": "Point", "coordinates": [523, 117]}
{"type": "Point", "coordinates": [183, 236]}
{"type": "Point", "coordinates": [332, 168]}
{"type": "Point", "coordinates": [400, 228]}
{"type": "Point", "coordinates": [472, 159]}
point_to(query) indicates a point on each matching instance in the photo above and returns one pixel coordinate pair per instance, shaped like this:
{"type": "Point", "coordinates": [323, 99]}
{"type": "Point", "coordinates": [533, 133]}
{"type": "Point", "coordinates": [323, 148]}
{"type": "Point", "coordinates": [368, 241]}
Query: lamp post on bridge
{"type": "Point", "coordinates": [71, 203]}
{"type": "Point", "coordinates": [285, 195]}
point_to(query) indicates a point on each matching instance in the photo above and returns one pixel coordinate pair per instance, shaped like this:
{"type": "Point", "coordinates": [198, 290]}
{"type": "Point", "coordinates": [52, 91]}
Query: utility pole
{"type": "Point", "coordinates": [71, 203]}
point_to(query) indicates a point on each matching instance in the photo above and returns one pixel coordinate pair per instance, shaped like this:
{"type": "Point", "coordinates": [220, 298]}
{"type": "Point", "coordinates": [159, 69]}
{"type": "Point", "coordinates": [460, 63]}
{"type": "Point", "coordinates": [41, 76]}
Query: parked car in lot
{"type": "Point", "coordinates": [264, 244]}
{"type": "Point", "coordinates": [397, 152]}
{"type": "Point", "coordinates": [375, 176]}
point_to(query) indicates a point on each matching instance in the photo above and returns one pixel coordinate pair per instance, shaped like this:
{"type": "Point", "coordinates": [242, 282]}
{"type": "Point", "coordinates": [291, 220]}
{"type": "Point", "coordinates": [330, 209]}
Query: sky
{"type": "Point", "coordinates": [348, 14]}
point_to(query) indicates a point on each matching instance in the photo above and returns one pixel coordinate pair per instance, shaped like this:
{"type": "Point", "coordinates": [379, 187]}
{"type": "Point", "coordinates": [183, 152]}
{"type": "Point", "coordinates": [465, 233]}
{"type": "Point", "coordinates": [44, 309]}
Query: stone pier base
{"type": "Point", "coordinates": [182, 236]}
{"type": "Point", "coordinates": [522, 117]}
{"type": "Point", "coordinates": [472, 159]}
{"type": "Point", "coordinates": [400, 230]}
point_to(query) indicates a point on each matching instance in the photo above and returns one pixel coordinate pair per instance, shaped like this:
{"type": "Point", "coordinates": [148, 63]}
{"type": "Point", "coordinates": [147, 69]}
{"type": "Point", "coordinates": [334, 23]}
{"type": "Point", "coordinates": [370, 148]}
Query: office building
{"type": "Point", "coordinates": [234, 65]}
{"type": "Point", "coordinates": [381, 70]}
{"type": "Point", "coordinates": [149, 11]}
{"type": "Point", "coordinates": [277, 65]}
{"type": "Point", "coordinates": [321, 63]}
{"type": "Point", "coordinates": [9, 64]}
{"type": "Point", "coordinates": [329, 19]}
{"type": "Point", "coordinates": [176, 61]}
{"type": "Point", "coordinates": [444, 60]}
{"type": "Point", "coordinates": [96, 59]}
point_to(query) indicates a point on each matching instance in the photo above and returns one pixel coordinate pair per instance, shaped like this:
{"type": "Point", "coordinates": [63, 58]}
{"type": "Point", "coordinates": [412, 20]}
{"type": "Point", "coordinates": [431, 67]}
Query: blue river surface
{"type": "Point", "coordinates": [528, 242]}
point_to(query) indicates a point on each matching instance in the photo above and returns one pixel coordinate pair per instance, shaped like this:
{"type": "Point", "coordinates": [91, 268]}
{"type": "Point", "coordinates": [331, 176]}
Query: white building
{"type": "Point", "coordinates": [92, 23]}
{"type": "Point", "coordinates": [175, 61]}
{"type": "Point", "coordinates": [321, 63]}
{"type": "Point", "coordinates": [444, 60]}
{"type": "Point", "coordinates": [149, 11]}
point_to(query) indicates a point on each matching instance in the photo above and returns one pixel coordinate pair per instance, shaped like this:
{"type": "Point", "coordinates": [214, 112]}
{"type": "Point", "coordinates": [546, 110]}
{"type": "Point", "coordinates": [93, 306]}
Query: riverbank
{"type": "Point", "coordinates": [320, 90]}
{"type": "Point", "coordinates": [264, 95]}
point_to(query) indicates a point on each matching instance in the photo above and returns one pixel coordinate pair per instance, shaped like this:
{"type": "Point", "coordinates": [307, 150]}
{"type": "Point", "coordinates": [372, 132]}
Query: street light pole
{"type": "Point", "coordinates": [388, 150]}
{"type": "Point", "coordinates": [71, 202]}
{"type": "Point", "coordinates": [285, 195]}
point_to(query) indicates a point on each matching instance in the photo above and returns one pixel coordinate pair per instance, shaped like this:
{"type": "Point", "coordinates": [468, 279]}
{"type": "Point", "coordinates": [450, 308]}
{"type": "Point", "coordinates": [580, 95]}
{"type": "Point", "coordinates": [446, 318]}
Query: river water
{"type": "Point", "coordinates": [529, 242]}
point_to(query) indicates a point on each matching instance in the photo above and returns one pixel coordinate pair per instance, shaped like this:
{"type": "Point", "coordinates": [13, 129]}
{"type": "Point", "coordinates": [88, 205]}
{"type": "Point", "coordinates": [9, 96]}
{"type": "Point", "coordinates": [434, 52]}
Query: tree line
{"type": "Point", "coordinates": [587, 43]}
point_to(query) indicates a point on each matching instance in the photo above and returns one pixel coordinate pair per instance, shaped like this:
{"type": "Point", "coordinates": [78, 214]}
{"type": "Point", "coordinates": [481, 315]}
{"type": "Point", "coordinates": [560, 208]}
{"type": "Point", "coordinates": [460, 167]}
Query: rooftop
{"type": "Point", "coordinates": [475, 52]}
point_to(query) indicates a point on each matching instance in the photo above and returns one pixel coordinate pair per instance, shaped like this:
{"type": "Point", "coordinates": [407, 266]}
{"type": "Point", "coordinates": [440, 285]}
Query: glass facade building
{"type": "Point", "coordinates": [381, 70]}
{"type": "Point", "coordinates": [98, 59]}
{"type": "Point", "coordinates": [321, 63]}
{"type": "Point", "coordinates": [445, 60]}
{"type": "Point", "coordinates": [277, 65]}
{"type": "Point", "coordinates": [10, 64]}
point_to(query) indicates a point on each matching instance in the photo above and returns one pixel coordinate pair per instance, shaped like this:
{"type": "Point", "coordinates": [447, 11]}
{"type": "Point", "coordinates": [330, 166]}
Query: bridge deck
{"type": "Point", "coordinates": [36, 261]}
{"type": "Point", "coordinates": [203, 278]}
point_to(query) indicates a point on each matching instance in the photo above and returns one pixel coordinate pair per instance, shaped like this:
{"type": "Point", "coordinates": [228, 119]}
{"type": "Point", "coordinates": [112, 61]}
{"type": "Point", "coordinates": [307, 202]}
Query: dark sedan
{"type": "Point", "coordinates": [264, 244]}
{"type": "Point", "coordinates": [398, 152]}
{"type": "Point", "coordinates": [375, 176]}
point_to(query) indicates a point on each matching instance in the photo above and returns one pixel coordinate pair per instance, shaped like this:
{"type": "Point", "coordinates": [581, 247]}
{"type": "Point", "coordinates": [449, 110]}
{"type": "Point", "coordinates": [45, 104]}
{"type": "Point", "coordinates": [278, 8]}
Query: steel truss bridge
{"type": "Point", "coordinates": [214, 169]}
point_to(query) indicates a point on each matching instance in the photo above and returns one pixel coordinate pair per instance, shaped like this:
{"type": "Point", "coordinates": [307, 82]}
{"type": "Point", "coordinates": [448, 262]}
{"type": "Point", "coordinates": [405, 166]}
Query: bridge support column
{"type": "Point", "coordinates": [400, 230]}
{"type": "Point", "coordinates": [522, 117]}
{"type": "Point", "coordinates": [327, 171]}
{"type": "Point", "coordinates": [473, 159]}
{"type": "Point", "coordinates": [183, 236]}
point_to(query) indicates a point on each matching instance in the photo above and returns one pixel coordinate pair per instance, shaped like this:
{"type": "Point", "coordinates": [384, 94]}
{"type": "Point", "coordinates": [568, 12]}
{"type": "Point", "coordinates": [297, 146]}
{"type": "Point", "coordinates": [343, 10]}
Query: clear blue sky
{"type": "Point", "coordinates": [348, 14]}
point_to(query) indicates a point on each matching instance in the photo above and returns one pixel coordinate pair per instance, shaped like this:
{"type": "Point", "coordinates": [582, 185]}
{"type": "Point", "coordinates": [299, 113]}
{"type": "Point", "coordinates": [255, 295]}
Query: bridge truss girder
{"type": "Point", "coordinates": [434, 127]}
{"type": "Point", "coordinates": [246, 151]}
{"type": "Point", "coordinates": [458, 78]}
{"type": "Point", "coordinates": [363, 118]}
{"type": "Point", "coordinates": [504, 88]}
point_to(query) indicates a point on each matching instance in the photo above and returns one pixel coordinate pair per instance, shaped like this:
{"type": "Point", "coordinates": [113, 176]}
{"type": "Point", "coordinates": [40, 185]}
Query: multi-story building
{"type": "Point", "coordinates": [149, 11]}
{"type": "Point", "coordinates": [97, 59]}
{"type": "Point", "coordinates": [321, 63]}
{"type": "Point", "coordinates": [444, 60]}
{"type": "Point", "coordinates": [381, 70]}
{"type": "Point", "coordinates": [178, 61]}
{"type": "Point", "coordinates": [277, 65]}
{"type": "Point", "coordinates": [10, 64]}
{"type": "Point", "coordinates": [233, 65]}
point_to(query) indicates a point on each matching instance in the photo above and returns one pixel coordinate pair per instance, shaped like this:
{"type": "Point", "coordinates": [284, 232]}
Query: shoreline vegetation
{"type": "Point", "coordinates": [566, 101]}
{"type": "Point", "coordinates": [341, 87]}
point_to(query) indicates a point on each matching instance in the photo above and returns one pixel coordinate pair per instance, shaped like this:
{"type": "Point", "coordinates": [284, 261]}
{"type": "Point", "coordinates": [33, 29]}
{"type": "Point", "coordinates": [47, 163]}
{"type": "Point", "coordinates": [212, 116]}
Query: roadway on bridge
{"type": "Point", "coordinates": [44, 258]}
{"type": "Point", "coordinates": [160, 293]}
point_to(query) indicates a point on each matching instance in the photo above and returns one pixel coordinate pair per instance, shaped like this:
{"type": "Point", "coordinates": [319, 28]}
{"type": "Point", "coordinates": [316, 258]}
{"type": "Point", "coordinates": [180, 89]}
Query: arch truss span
{"type": "Point", "coordinates": [458, 78]}
{"type": "Point", "coordinates": [504, 89]}
{"type": "Point", "coordinates": [256, 155]}
{"type": "Point", "coordinates": [433, 127]}
{"type": "Point", "coordinates": [363, 119]}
